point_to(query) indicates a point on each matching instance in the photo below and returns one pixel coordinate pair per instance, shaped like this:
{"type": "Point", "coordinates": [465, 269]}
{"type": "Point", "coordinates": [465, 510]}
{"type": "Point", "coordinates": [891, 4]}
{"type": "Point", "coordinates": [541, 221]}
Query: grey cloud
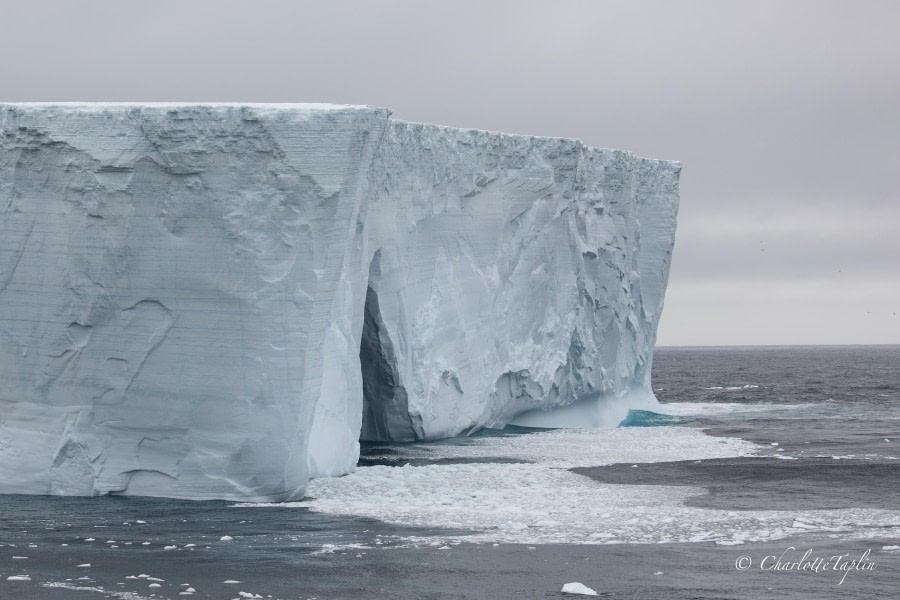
{"type": "Point", "coordinates": [768, 104]}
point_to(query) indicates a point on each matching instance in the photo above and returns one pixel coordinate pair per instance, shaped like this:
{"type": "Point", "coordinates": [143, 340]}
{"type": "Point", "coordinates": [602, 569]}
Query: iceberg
{"type": "Point", "coordinates": [220, 300]}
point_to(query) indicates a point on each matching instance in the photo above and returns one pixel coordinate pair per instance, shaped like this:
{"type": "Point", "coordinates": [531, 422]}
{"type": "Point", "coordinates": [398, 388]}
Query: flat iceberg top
{"type": "Point", "coordinates": [418, 128]}
{"type": "Point", "coordinates": [303, 107]}
{"type": "Point", "coordinates": [89, 106]}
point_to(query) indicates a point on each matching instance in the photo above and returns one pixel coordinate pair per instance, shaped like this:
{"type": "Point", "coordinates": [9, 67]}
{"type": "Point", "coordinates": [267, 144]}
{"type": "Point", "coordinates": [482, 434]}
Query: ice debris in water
{"type": "Point", "coordinates": [578, 588]}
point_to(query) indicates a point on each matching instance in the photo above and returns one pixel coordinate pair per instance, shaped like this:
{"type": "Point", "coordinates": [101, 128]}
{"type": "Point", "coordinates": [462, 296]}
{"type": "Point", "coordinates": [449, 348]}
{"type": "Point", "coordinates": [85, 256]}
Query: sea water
{"type": "Point", "coordinates": [752, 451]}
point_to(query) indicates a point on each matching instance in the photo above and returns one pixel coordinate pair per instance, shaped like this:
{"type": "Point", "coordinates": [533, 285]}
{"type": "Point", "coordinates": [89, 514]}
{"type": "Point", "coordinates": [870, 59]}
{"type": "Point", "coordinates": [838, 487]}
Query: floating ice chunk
{"type": "Point", "coordinates": [20, 558]}
{"type": "Point", "coordinates": [19, 578]}
{"type": "Point", "coordinates": [231, 581]}
{"type": "Point", "coordinates": [226, 538]}
{"type": "Point", "coordinates": [84, 566]}
{"type": "Point", "coordinates": [578, 588]}
{"type": "Point", "coordinates": [798, 524]}
{"type": "Point", "coordinates": [170, 547]}
{"type": "Point", "coordinates": [890, 547]}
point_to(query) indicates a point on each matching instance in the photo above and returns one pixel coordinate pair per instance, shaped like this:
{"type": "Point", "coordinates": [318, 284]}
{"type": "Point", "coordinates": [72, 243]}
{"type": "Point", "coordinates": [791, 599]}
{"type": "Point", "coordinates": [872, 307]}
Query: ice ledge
{"type": "Point", "coordinates": [95, 106]}
{"type": "Point", "coordinates": [90, 107]}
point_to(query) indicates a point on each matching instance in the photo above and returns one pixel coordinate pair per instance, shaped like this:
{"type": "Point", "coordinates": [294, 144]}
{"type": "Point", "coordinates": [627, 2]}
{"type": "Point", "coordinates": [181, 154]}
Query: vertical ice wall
{"type": "Point", "coordinates": [511, 274]}
{"type": "Point", "coordinates": [218, 301]}
{"type": "Point", "coordinates": [176, 317]}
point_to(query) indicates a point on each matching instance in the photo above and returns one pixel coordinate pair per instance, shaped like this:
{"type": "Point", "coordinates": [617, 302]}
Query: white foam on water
{"type": "Point", "coordinates": [538, 500]}
{"type": "Point", "coordinates": [732, 388]}
{"type": "Point", "coordinates": [109, 593]}
{"type": "Point", "coordinates": [569, 448]}
{"type": "Point", "coordinates": [714, 409]}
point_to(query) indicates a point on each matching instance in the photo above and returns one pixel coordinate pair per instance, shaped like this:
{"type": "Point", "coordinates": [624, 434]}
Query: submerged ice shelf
{"type": "Point", "coordinates": [219, 301]}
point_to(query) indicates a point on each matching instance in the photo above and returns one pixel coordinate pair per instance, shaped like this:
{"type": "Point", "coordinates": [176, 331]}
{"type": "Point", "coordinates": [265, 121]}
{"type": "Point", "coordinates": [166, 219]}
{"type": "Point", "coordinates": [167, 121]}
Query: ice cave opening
{"type": "Point", "coordinates": [385, 406]}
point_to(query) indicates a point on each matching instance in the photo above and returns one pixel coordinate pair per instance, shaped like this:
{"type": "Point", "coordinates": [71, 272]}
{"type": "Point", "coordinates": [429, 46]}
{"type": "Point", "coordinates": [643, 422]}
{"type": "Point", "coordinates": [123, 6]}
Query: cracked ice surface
{"type": "Point", "coordinates": [540, 501]}
{"type": "Point", "coordinates": [187, 290]}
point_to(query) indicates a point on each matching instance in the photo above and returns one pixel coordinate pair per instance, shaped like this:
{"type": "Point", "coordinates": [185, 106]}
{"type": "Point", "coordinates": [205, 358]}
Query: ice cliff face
{"type": "Point", "coordinates": [507, 275]}
{"type": "Point", "coordinates": [218, 301]}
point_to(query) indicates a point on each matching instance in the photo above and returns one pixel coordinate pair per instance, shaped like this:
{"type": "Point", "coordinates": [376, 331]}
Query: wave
{"type": "Point", "coordinates": [732, 388]}
{"type": "Point", "coordinates": [649, 418]}
{"type": "Point", "coordinates": [710, 409]}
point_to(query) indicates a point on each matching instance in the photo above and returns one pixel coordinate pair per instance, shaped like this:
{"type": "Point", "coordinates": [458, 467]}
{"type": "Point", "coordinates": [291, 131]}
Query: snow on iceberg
{"type": "Point", "coordinates": [219, 301]}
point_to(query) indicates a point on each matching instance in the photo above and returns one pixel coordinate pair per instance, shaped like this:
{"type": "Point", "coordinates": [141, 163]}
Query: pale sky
{"type": "Point", "coordinates": [786, 116]}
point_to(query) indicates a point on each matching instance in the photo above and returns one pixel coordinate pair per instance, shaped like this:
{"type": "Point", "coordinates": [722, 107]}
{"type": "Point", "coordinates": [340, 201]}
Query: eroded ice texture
{"type": "Point", "coordinates": [186, 292]}
{"type": "Point", "coordinates": [511, 274]}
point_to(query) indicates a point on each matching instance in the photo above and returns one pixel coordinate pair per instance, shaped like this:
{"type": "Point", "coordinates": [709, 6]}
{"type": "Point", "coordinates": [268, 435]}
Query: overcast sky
{"type": "Point", "coordinates": [786, 116]}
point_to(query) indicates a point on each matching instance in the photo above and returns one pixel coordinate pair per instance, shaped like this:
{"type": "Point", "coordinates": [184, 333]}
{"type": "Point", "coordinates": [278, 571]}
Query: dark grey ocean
{"type": "Point", "coordinates": [825, 422]}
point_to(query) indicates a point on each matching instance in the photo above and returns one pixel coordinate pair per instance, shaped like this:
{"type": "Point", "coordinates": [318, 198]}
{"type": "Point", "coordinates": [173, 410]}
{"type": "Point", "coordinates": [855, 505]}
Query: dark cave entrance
{"type": "Point", "coordinates": [385, 408]}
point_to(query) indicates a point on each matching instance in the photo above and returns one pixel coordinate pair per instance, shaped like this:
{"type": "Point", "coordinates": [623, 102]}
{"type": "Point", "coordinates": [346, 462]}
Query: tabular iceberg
{"type": "Point", "coordinates": [219, 301]}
